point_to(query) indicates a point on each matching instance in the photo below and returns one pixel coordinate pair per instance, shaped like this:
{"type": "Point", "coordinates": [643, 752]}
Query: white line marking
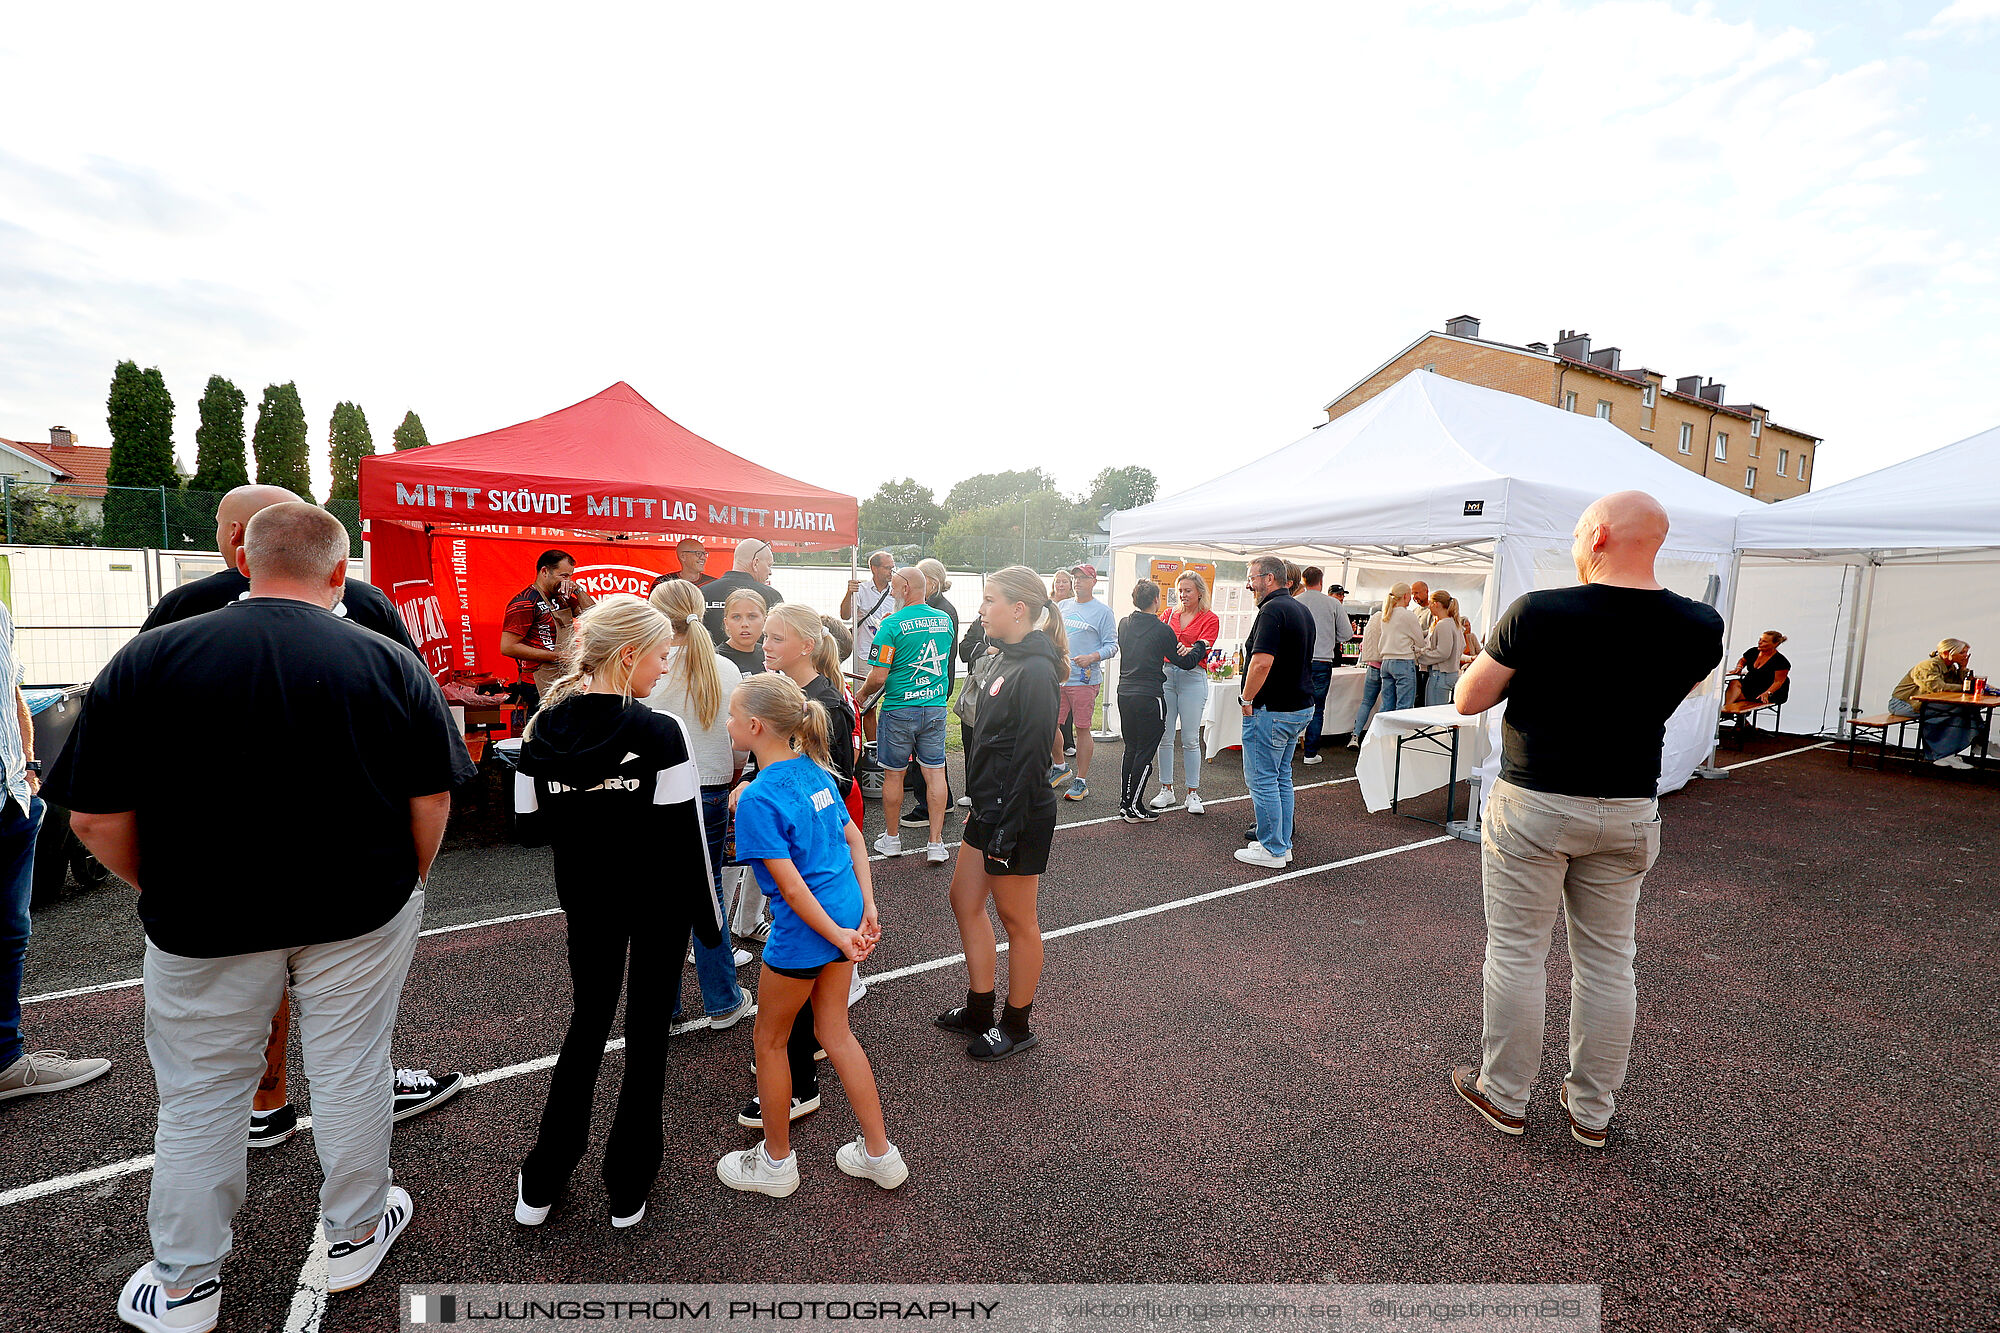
{"type": "Point", "coordinates": [1823, 745]}
{"type": "Point", "coordinates": [58, 1184]}
{"type": "Point", "coordinates": [309, 1298]}
{"type": "Point", "coordinates": [556, 911]}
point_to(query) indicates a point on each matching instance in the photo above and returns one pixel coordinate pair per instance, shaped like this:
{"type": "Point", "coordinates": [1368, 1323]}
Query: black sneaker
{"type": "Point", "coordinates": [916, 819]}
{"type": "Point", "coordinates": [270, 1130]}
{"type": "Point", "coordinates": [417, 1091]}
{"type": "Point", "coordinates": [752, 1115]}
{"type": "Point", "coordinates": [996, 1043]}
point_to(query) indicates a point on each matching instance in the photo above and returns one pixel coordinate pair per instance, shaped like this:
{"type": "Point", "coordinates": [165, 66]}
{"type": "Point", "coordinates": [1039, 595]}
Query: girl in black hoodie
{"type": "Point", "coordinates": [615, 791]}
{"type": "Point", "coordinates": [1145, 647]}
{"type": "Point", "coordinates": [1013, 814]}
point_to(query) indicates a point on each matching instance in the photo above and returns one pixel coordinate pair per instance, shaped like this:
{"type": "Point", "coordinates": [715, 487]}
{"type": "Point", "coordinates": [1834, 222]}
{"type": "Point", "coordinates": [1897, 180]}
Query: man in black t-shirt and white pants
{"type": "Point", "coordinates": [341, 758]}
{"type": "Point", "coordinates": [1573, 823]}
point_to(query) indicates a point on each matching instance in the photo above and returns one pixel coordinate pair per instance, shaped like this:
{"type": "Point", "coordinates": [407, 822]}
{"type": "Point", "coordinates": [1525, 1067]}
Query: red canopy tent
{"type": "Point", "coordinates": [453, 529]}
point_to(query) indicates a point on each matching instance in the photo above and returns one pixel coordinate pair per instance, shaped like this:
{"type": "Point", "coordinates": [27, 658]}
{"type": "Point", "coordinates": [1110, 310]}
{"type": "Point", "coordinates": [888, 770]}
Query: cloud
{"type": "Point", "coordinates": [1960, 16]}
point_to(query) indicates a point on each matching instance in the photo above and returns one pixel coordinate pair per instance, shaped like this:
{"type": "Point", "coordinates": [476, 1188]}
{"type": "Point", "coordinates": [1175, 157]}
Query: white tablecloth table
{"type": "Point", "coordinates": [1424, 767]}
{"type": "Point", "coordinates": [1222, 719]}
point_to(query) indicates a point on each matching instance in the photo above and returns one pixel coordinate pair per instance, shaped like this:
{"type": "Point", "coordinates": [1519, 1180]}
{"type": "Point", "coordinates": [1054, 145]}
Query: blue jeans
{"type": "Point", "coordinates": [1268, 739]}
{"type": "Point", "coordinates": [1439, 686]}
{"type": "Point", "coordinates": [18, 828]}
{"type": "Point", "coordinates": [1946, 730]}
{"type": "Point", "coordinates": [1371, 689]}
{"type": "Point", "coordinates": [1322, 678]}
{"type": "Point", "coordinates": [715, 968]}
{"type": "Point", "coordinates": [1399, 684]}
{"type": "Point", "coordinates": [1187, 698]}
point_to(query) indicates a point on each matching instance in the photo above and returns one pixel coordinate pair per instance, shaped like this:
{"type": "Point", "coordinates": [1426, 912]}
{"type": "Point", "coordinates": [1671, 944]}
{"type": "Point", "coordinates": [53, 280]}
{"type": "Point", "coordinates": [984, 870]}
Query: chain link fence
{"type": "Point", "coordinates": [980, 555]}
{"type": "Point", "coordinates": [157, 517]}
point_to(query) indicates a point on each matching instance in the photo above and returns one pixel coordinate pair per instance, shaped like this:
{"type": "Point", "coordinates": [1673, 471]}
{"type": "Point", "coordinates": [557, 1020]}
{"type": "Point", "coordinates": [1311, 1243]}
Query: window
{"type": "Point", "coordinates": [1802, 467]}
{"type": "Point", "coordinates": [1603, 410]}
{"type": "Point", "coordinates": [1756, 427]}
{"type": "Point", "coordinates": [1431, 367]}
{"type": "Point", "coordinates": [1749, 478]}
{"type": "Point", "coordinates": [1784, 460]}
{"type": "Point", "coordinates": [1721, 446]}
{"type": "Point", "coordinates": [1648, 396]}
{"type": "Point", "coordinates": [1569, 402]}
{"type": "Point", "coordinates": [1687, 437]}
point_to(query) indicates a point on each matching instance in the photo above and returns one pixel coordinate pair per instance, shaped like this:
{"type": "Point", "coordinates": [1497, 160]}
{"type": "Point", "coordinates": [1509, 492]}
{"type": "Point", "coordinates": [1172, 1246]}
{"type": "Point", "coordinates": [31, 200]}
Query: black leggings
{"type": "Point", "coordinates": [1142, 718]}
{"type": "Point", "coordinates": [602, 947]}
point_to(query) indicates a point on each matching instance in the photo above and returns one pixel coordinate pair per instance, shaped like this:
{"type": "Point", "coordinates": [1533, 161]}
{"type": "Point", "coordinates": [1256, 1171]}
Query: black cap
{"type": "Point", "coordinates": [1337, 588]}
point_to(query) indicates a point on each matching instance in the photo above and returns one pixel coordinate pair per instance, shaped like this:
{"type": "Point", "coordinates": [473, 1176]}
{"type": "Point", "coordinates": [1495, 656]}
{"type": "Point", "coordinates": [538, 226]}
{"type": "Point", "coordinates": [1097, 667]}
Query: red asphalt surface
{"type": "Point", "coordinates": [1248, 1089]}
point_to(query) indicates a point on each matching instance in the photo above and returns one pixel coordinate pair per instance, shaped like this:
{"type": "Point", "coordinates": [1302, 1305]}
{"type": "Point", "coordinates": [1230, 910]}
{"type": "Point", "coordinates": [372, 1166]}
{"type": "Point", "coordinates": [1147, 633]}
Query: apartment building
{"type": "Point", "coordinates": [1689, 420]}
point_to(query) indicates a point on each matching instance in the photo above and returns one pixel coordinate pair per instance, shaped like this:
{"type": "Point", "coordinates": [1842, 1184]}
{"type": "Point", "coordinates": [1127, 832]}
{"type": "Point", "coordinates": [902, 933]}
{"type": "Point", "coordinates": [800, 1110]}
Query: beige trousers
{"type": "Point", "coordinates": [1587, 856]}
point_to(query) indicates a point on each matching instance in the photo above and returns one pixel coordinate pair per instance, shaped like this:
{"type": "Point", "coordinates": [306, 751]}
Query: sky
{"type": "Point", "coordinates": [859, 242]}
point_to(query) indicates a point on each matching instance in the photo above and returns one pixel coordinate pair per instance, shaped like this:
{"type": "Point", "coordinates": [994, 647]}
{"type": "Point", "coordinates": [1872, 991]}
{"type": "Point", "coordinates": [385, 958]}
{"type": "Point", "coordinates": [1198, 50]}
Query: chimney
{"type": "Point", "coordinates": [61, 435]}
{"type": "Point", "coordinates": [1543, 348]}
{"type": "Point", "coordinates": [1462, 326]}
{"type": "Point", "coordinates": [1574, 345]}
{"type": "Point", "coordinates": [1605, 358]}
{"type": "Point", "coordinates": [1712, 392]}
{"type": "Point", "coordinates": [1688, 385]}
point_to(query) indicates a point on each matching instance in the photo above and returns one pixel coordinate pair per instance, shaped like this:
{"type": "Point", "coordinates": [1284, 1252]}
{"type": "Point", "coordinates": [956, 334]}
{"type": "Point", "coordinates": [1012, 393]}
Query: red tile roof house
{"type": "Point", "coordinates": [63, 465]}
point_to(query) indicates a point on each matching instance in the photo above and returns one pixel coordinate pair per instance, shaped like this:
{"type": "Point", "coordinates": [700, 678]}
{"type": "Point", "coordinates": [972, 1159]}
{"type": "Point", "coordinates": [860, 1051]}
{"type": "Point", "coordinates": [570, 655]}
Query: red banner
{"type": "Point", "coordinates": [417, 602]}
{"type": "Point", "coordinates": [476, 576]}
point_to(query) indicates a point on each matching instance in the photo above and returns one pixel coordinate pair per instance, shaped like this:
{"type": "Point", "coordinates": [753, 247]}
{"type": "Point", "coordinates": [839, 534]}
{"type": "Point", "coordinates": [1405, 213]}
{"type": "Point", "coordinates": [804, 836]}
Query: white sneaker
{"type": "Point", "coordinates": [526, 1215]}
{"type": "Point", "coordinates": [1353, 742]}
{"type": "Point", "coordinates": [352, 1262]}
{"type": "Point", "coordinates": [1952, 761]}
{"type": "Point", "coordinates": [742, 957]}
{"type": "Point", "coordinates": [1194, 804]}
{"type": "Point", "coordinates": [856, 988]}
{"type": "Point", "coordinates": [144, 1303]}
{"type": "Point", "coordinates": [723, 1022]}
{"type": "Point", "coordinates": [965, 802]}
{"type": "Point", "coordinates": [889, 1170]}
{"type": "Point", "coordinates": [47, 1071]}
{"type": "Point", "coordinates": [1255, 855]}
{"type": "Point", "coordinates": [752, 1169]}
{"type": "Point", "coordinates": [1310, 759]}
{"type": "Point", "coordinates": [935, 853]}
{"type": "Point", "coordinates": [889, 844]}
{"type": "Point", "coordinates": [1165, 800]}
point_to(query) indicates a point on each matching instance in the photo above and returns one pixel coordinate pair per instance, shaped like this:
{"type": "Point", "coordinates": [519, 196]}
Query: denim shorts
{"type": "Point", "coordinates": [901, 731]}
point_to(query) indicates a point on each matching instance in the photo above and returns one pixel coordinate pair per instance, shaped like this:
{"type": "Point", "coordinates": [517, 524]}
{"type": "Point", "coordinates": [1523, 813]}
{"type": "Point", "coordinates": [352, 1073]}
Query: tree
{"type": "Point", "coordinates": [219, 462]}
{"type": "Point", "coordinates": [280, 440]}
{"type": "Point", "coordinates": [348, 442]}
{"type": "Point", "coordinates": [993, 488]}
{"type": "Point", "coordinates": [1123, 488]}
{"type": "Point", "coordinates": [410, 435]}
{"type": "Point", "coordinates": [37, 518]}
{"type": "Point", "coordinates": [991, 537]}
{"type": "Point", "coordinates": [902, 511]}
{"type": "Point", "coordinates": [140, 415]}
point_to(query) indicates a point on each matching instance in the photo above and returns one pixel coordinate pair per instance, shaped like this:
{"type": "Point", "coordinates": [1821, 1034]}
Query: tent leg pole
{"type": "Point", "coordinates": [1711, 769]}
{"type": "Point", "coordinates": [1857, 642]}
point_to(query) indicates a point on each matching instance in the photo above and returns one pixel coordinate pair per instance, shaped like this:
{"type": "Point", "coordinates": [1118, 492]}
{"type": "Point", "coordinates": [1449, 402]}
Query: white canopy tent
{"type": "Point", "coordinates": [1865, 577]}
{"type": "Point", "coordinates": [1455, 476]}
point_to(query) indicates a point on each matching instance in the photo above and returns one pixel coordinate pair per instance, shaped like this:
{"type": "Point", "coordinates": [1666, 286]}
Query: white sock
{"type": "Point", "coordinates": [779, 1163]}
{"type": "Point", "coordinates": [264, 1115]}
{"type": "Point", "coordinates": [872, 1158]}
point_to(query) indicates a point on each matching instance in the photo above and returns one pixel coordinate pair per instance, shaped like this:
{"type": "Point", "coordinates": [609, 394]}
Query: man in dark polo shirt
{"type": "Point", "coordinates": [749, 568]}
{"type": "Point", "coordinates": [363, 603]}
{"type": "Point", "coordinates": [274, 1120]}
{"type": "Point", "coordinates": [1573, 824]}
{"type": "Point", "coordinates": [1277, 705]}
{"type": "Point", "coordinates": [338, 757]}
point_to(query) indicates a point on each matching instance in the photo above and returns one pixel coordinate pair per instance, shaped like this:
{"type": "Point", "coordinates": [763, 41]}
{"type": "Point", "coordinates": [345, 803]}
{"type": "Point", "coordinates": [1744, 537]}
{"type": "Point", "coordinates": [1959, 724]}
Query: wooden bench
{"type": "Point", "coordinates": [1744, 711]}
{"type": "Point", "coordinates": [1879, 724]}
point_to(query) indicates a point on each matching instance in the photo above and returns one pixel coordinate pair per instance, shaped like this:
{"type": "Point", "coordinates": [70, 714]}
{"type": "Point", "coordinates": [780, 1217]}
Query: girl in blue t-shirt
{"type": "Point", "coordinates": [794, 830]}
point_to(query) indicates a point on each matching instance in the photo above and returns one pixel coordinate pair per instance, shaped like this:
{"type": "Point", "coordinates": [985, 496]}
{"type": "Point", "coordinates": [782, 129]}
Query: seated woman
{"type": "Point", "coordinates": [1947, 730]}
{"type": "Point", "coordinates": [1764, 675]}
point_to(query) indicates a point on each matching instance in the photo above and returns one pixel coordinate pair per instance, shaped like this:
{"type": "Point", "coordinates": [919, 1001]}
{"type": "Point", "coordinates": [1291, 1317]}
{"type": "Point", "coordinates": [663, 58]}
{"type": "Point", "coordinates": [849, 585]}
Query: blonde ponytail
{"type": "Point", "coordinates": [601, 636]}
{"type": "Point", "coordinates": [681, 603]}
{"type": "Point", "coordinates": [776, 700]}
{"type": "Point", "coordinates": [1018, 583]}
{"type": "Point", "coordinates": [806, 623]}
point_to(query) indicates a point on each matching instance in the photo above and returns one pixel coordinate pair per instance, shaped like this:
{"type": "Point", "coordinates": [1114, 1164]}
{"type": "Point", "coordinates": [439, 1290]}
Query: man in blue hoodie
{"type": "Point", "coordinates": [1093, 641]}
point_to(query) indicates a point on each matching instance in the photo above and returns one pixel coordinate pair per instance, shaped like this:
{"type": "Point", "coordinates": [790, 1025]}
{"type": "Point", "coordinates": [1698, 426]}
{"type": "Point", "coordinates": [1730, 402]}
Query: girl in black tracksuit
{"type": "Point", "coordinates": [613, 787]}
{"type": "Point", "coordinates": [1013, 816]}
{"type": "Point", "coordinates": [1145, 645]}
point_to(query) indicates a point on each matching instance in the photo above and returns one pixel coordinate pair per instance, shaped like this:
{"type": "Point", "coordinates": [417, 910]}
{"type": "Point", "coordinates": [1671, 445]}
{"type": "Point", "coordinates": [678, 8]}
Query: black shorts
{"type": "Point", "coordinates": [801, 973]}
{"type": "Point", "coordinates": [1031, 849]}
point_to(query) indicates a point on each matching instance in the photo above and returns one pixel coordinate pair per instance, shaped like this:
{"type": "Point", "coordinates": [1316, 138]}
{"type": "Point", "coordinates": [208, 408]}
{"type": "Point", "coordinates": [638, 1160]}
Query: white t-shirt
{"type": "Point", "coordinates": [714, 758]}
{"type": "Point", "coordinates": [872, 606]}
